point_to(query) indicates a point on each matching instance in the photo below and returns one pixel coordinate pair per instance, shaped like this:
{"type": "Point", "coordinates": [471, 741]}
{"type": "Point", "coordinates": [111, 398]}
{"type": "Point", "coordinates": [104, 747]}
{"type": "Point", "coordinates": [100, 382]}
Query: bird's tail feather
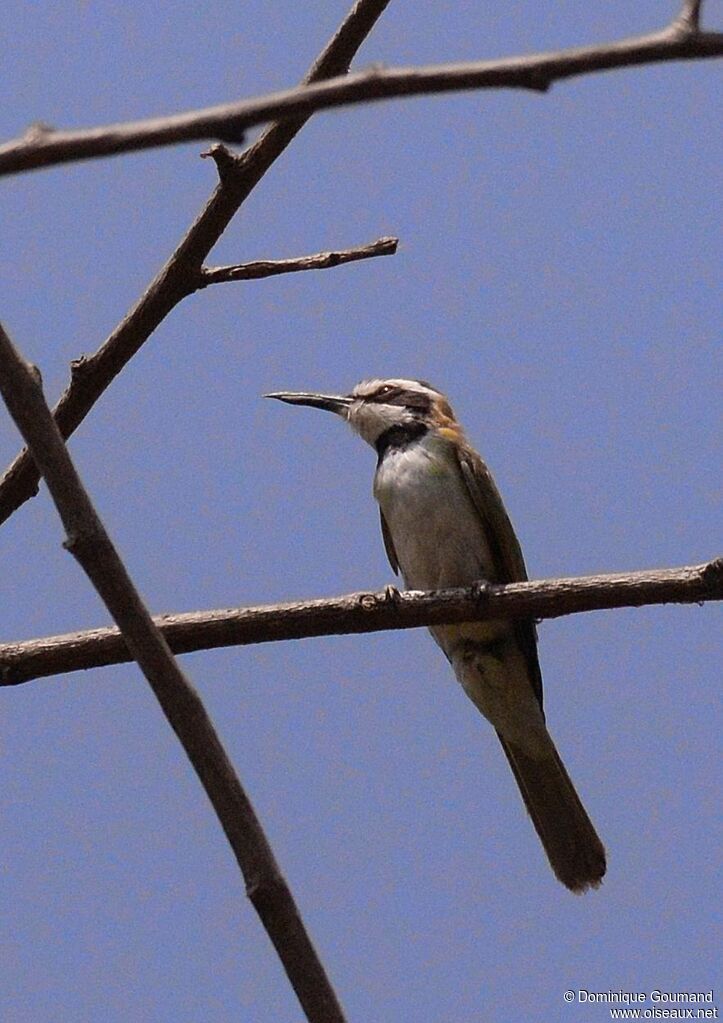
{"type": "Point", "coordinates": [575, 852]}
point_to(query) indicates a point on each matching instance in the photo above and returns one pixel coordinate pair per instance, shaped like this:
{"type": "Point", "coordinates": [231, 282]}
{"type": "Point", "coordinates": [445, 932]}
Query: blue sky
{"type": "Point", "coordinates": [557, 277]}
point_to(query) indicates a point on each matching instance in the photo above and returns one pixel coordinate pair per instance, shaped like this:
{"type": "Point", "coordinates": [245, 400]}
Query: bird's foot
{"type": "Point", "coordinates": [392, 595]}
{"type": "Point", "coordinates": [479, 591]}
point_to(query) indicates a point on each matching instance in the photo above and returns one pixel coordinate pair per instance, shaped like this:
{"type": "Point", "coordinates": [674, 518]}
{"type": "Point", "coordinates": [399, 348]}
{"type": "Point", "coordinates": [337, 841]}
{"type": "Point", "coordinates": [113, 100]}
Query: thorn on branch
{"type": "Point", "coordinates": [713, 574]}
{"type": "Point", "coordinates": [539, 82]}
{"type": "Point", "coordinates": [373, 70]}
{"type": "Point", "coordinates": [79, 541]}
{"type": "Point", "coordinates": [38, 130]}
{"type": "Point", "coordinates": [392, 595]}
{"type": "Point", "coordinates": [227, 163]}
{"type": "Point", "coordinates": [688, 21]}
{"type": "Point", "coordinates": [80, 368]}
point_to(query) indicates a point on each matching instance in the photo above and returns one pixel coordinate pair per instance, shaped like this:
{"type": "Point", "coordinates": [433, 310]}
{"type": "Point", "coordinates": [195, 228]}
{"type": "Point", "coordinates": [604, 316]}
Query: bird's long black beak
{"type": "Point", "coordinates": [337, 403]}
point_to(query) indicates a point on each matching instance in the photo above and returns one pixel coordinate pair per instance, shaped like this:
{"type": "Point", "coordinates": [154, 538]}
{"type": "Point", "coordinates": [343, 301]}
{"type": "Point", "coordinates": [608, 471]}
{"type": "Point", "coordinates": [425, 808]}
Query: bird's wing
{"type": "Point", "coordinates": [388, 544]}
{"type": "Point", "coordinates": [505, 548]}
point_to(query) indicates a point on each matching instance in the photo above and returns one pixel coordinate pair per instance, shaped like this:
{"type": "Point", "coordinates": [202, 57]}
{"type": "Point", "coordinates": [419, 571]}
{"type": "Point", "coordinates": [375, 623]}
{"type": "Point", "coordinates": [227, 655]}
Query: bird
{"type": "Point", "coordinates": [444, 524]}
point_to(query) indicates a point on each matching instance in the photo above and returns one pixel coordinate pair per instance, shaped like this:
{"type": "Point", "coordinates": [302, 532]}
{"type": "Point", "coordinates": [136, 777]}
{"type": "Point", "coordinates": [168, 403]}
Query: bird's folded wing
{"type": "Point", "coordinates": [389, 544]}
{"type": "Point", "coordinates": [505, 548]}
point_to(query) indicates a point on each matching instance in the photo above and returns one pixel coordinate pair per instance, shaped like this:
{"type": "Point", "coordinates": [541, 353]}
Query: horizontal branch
{"type": "Point", "coordinates": [366, 612]}
{"type": "Point", "coordinates": [42, 146]}
{"type": "Point", "coordinates": [272, 267]}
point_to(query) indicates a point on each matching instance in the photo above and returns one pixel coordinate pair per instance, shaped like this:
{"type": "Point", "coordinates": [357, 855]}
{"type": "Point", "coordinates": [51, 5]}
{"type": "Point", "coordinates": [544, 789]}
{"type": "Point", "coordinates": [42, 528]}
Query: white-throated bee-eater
{"type": "Point", "coordinates": [444, 524]}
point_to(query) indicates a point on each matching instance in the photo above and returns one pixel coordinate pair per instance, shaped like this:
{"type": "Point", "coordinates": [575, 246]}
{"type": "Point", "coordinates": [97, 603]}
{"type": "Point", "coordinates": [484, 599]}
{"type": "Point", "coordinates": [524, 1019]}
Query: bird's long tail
{"type": "Point", "coordinates": [575, 852]}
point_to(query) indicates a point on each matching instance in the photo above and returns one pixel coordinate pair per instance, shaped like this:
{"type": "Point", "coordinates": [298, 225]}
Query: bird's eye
{"type": "Point", "coordinates": [386, 394]}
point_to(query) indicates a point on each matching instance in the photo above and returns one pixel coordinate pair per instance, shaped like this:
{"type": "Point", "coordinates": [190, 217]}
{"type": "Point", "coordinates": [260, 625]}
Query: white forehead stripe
{"type": "Point", "coordinates": [367, 387]}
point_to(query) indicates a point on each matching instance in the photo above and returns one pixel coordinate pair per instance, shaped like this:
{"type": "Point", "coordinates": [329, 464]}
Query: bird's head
{"type": "Point", "coordinates": [375, 407]}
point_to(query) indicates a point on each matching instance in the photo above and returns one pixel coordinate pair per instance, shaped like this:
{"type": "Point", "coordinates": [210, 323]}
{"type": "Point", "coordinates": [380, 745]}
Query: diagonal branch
{"type": "Point", "coordinates": [681, 40]}
{"type": "Point", "coordinates": [366, 612]}
{"type": "Point", "coordinates": [272, 267]}
{"type": "Point", "coordinates": [91, 546]}
{"type": "Point", "coordinates": [180, 277]}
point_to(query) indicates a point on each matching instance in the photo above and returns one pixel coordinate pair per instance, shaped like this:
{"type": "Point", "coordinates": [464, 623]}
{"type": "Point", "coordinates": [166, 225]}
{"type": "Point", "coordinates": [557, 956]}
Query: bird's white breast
{"type": "Point", "coordinates": [436, 530]}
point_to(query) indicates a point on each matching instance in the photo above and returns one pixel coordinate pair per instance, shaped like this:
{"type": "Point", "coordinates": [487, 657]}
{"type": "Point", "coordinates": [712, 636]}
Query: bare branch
{"type": "Point", "coordinates": [181, 275]}
{"type": "Point", "coordinates": [91, 546]}
{"type": "Point", "coordinates": [319, 261]}
{"type": "Point", "coordinates": [366, 612]}
{"type": "Point", "coordinates": [681, 40]}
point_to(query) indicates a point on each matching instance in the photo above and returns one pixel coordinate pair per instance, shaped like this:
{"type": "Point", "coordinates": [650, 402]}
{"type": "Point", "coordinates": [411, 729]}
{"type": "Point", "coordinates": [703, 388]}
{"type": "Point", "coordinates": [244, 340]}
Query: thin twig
{"type": "Point", "coordinates": [681, 40]}
{"type": "Point", "coordinates": [272, 267]}
{"type": "Point", "coordinates": [689, 17]}
{"type": "Point", "coordinates": [181, 275]}
{"type": "Point", "coordinates": [89, 543]}
{"type": "Point", "coordinates": [366, 612]}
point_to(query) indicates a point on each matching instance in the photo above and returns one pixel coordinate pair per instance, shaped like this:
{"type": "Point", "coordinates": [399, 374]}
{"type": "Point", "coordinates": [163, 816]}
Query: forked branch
{"type": "Point", "coordinates": [178, 278]}
{"type": "Point", "coordinates": [181, 275]}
